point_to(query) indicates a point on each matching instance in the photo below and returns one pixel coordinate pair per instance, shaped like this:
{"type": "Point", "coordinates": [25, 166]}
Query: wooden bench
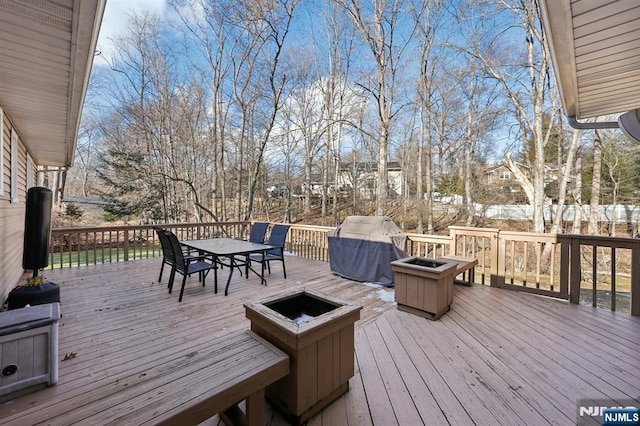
{"type": "Point", "coordinates": [185, 388]}
{"type": "Point", "coordinates": [466, 266]}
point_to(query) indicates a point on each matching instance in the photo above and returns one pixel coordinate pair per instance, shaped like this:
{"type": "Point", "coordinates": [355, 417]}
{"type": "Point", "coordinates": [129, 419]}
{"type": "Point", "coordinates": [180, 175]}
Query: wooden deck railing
{"type": "Point", "coordinates": [90, 246]}
{"type": "Point", "coordinates": [309, 241]}
{"type": "Point", "coordinates": [479, 243]}
{"type": "Point", "coordinates": [533, 263]}
{"type": "Point", "coordinates": [609, 266]}
{"type": "Point", "coordinates": [601, 271]}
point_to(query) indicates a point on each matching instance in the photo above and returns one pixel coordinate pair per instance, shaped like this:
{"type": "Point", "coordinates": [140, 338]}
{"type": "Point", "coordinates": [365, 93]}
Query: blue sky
{"type": "Point", "coordinates": [115, 18]}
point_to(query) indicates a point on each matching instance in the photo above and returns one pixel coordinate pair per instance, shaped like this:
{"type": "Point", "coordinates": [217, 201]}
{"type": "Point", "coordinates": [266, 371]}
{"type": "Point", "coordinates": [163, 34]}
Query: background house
{"type": "Point", "coordinates": [503, 180]}
{"type": "Point", "coordinates": [364, 177]}
{"type": "Point", "coordinates": [46, 53]}
{"type": "Point", "coordinates": [361, 175]}
{"type": "Point", "coordinates": [499, 176]}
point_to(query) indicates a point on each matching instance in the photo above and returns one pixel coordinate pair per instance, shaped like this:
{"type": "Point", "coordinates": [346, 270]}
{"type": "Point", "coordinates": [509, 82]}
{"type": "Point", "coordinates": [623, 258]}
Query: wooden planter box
{"type": "Point", "coordinates": [316, 331]}
{"type": "Point", "coordinates": [424, 286]}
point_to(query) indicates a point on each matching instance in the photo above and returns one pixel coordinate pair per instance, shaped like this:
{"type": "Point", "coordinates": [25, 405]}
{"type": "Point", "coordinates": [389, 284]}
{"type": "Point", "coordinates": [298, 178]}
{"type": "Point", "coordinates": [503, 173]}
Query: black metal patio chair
{"type": "Point", "coordinates": [258, 232]}
{"type": "Point", "coordinates": [256, 235]}
{"type": "Point", "coordinates": [186, 265]}
{"type": "Point", "coordinates": [277, 239]}
{"type": "Point", "coordinates": [167, 251]}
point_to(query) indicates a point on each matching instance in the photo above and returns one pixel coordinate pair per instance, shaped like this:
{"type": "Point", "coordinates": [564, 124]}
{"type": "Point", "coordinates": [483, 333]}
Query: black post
{"type": "Point", "coordinates": [37, 236]}
{"type": "Point", "coordinates": [37, 229]}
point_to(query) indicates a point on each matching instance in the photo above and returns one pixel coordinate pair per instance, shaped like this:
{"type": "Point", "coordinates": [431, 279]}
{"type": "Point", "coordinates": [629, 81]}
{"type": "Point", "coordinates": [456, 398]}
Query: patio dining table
{"type": "Point", "coordinates": [231, 249]}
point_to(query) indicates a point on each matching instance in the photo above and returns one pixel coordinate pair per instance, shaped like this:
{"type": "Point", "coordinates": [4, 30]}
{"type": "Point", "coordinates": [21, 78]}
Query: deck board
{"type": "Point", "coordinates": [417, 399]}
{"type": "Point", "coordinates": [375, 389]}
{"type": "Point", "coordinates": [498, 357]}
{"type": "Point", "coordinates": [573, 343]}
{"type": "Point", "coordinates": [544, 374]}
{"type": "Point", "coordinates": [440, 387]}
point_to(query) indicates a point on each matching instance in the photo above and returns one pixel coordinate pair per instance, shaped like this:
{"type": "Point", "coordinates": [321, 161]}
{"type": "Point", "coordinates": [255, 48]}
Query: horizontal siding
{"type": "Point", "coordinates": [5, 170]}
{"type": "Point", "coordinates": [22, 174]}
{"type": "Point", "coordinates": [11, 215]}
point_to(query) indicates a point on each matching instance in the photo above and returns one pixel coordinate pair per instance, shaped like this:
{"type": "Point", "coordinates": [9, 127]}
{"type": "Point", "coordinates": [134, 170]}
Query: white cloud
{"type": "Point", "coordinates": [114, 22]}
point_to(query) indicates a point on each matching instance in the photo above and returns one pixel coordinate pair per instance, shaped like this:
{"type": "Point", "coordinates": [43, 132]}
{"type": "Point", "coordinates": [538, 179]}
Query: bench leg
{"type": "Point", "coordinates": [255, 408]}
{"type": "Point", "coordinates": [253, 415]}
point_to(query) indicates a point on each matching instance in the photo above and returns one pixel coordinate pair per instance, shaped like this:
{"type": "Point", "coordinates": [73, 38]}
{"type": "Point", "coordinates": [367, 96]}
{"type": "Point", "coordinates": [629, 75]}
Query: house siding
{"type": "Point", "coordinates": [11, 213]}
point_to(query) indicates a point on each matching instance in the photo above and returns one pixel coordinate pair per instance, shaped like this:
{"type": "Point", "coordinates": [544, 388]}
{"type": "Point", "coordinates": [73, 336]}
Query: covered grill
{"type": "Point", "coordinates": [363, 247]}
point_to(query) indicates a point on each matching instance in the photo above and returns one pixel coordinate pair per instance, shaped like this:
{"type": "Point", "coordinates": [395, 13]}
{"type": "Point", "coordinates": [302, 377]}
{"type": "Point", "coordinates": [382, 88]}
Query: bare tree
{"type": "Point", "coordinates": [577, 198]}
{"type": "Point", "coordinates": [612, 160]}
{"type": "Point", "coordinates": [565, 175]}
{"type": "Point", "coordinates": [258, 87]}
{"type": "Point", "coordinates": [208, 31]}
{"type": "Point", "coordinates": [525, 79]}
{"type": "Point", "coordinates": [379, 28]}
{"type": "Point", "coordinates": [427, 25]}
{"type": "Point", "coordinates": [136, 153]}
{"type": "Point", "coordinates": [82, 177]}
{"type": "Point", "coordinates": [594, 204]}
{"type": "Point", "coordinates": [620, 159]}
{"type": "Point", "coordinates": [306, 111]}
{"type": "Point", "coordinates": [337, 98]}
{"type": "Point", "coordinates": [156, 150]}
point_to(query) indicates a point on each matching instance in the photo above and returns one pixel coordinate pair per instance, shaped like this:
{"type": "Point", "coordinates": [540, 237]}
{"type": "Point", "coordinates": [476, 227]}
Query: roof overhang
{"type": "Point", "coordinates": [595, 49]}
{"type": "Point", "coordinates": [46, 53]}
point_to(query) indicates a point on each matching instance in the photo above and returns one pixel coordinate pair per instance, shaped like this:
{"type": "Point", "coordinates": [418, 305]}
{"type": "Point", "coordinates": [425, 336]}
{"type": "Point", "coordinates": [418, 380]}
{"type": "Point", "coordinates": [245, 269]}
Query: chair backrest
{"type": "Point", "coordinates": [176, 249]}
{"type": "Point", "coordinates": [258, 231]}
{"type": "Point", "coordinates": [278, 237]}
{"type": "Point", "coordinates": [167, 251]}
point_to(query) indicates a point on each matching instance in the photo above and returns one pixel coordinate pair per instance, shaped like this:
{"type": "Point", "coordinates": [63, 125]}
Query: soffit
{"type": "Point", "coordinates": [46, 52]}
{"type": "Point", "coordinates": [595, 48]}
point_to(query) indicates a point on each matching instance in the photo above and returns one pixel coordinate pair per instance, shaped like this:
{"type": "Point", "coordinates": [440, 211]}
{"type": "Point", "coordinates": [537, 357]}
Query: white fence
{"type": "Point", "coordinates": [606, 213]}
{"type": "Point", "coordinates": [617, 213]}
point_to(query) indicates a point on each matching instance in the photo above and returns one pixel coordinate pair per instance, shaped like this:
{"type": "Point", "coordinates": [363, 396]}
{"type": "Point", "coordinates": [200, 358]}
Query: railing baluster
{"type": "Point", "coordinates": [552, 268]}
{"type": "Point", "coordinates": [635, 278]}
{"type": "Point", "coordinates": [70, 241]}
{"type": "Point", "coordinates": [525, 263]}
{"type": "Point", "coordinates": [594, 275]}
{"type": "Point", "coordinates": [613, 279]}
{"type": "Point", "coordinates": [513, 261]}
{"type": "Point", "coordinates": [538, 247]}
{"type": "Point", "coordinates": [111, 246]}
{"type": "Point", "coordinates": [126, 245]}
{"type": "Point", "coordinates": [78, 250]}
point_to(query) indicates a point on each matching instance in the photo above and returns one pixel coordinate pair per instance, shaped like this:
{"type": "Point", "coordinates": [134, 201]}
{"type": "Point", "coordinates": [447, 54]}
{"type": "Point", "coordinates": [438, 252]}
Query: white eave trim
{"type": "Point", "coordinates": [558, 26]}
{"type": "Point", "coordinates": [87, 18]}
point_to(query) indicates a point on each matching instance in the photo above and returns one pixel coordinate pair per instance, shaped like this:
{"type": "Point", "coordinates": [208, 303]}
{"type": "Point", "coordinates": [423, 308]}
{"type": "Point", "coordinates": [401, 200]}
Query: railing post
{"type": "Point", "coordinates": [565, 259]}
{"type": "Point", "coordinates": [635, 279]}
{"type": "Point", "coordinates": [574, 272]}
{"type": "Point", "coordinates": [453, 247]}
{"type": "Point", "coordinates": [126, 245]}
{"type": "Point", "coordinates": [498, 260]}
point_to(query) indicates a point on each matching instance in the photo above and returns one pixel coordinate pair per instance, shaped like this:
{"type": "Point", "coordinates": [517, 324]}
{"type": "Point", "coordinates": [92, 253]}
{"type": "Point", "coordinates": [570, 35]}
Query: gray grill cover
{"type": "Point", "coordinates": [363, 247]}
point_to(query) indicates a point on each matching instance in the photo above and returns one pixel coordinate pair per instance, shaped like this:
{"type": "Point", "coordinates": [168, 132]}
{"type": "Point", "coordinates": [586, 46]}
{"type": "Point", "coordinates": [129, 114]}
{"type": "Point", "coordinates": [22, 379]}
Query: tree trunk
{"type": "Point", "coordinates": [419, 175]}
{"type": "Point", "coordinates": [577, 198]}
{"type": "Point", "coordinates": [594, 205]}
{"type": "Point", "coordinates": [467, 148]}
{"type": "Point", "coordinates": [382, 193]}
{"type": "Point", "coordinates": [576, 137]}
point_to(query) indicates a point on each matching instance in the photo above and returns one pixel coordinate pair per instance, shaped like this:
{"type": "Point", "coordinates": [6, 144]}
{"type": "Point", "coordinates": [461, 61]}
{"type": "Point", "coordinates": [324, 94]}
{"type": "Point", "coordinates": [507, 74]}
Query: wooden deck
{"type": "Point", "coordinates": [498, 357]}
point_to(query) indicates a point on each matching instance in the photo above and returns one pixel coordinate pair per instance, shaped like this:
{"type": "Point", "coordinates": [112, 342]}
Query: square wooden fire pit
{"type": "Point", "coordinates": [317, 332]}
{"type": "Point", "coordinates": [424, 286]}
